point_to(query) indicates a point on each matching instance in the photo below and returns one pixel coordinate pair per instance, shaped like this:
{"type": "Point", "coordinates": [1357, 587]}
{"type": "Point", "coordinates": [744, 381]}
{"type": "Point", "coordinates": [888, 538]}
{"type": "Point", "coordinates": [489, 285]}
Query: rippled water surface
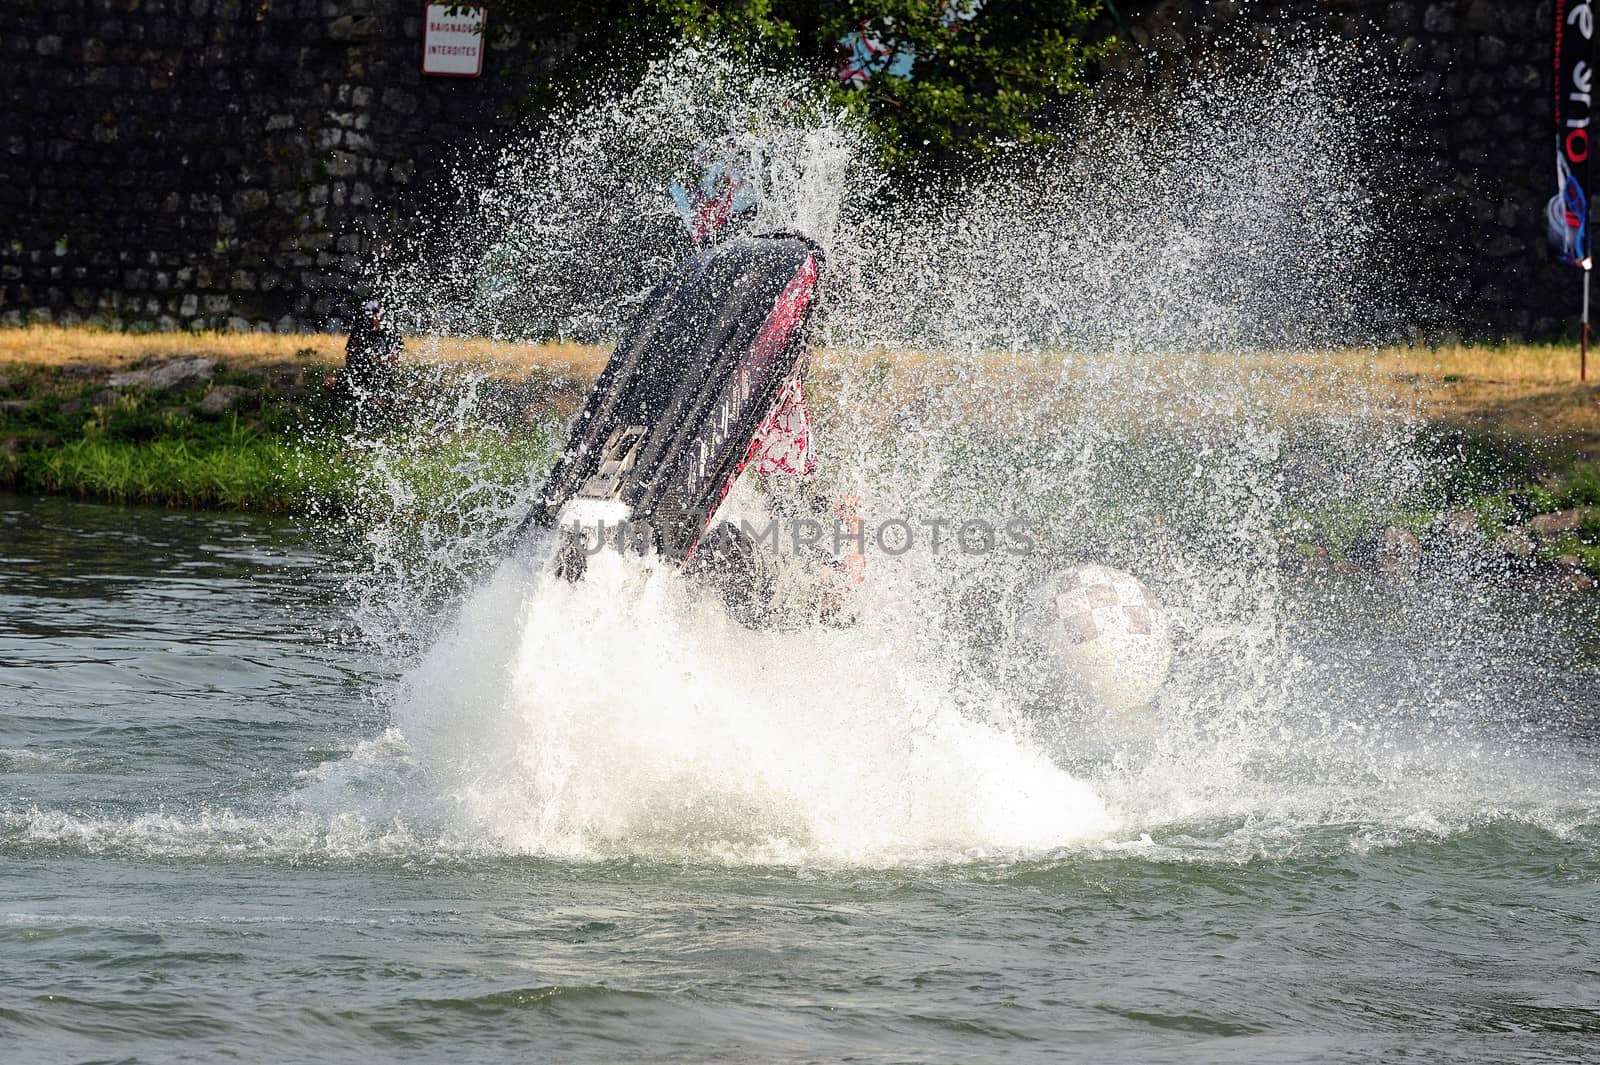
{"type": "Point", "coordinates": [214, 845]}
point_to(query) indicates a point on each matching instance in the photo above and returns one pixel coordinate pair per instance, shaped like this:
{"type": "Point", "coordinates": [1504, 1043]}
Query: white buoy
{"type": "Point", "coordinates": [1104, 631]}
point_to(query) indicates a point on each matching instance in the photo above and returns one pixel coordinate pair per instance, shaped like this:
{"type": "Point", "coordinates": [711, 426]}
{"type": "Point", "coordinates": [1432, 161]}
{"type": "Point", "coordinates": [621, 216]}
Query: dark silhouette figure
{"type": "Point", "coordinates": [369, 384]}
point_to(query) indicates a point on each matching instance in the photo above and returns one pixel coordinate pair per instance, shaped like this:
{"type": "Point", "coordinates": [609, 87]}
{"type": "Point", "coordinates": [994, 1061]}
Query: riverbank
{"type": "Point", "coordinates": [182, 429]}
{"type": "Point", "coordinates": [1520, 436]}
{"type": "Point", "coordinates": [245, 422]}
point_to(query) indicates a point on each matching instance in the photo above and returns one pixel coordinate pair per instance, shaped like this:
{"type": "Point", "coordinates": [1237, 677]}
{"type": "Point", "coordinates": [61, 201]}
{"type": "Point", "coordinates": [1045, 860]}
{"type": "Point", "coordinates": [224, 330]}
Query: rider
{"type": "Point", "coordinates": [780, 450]}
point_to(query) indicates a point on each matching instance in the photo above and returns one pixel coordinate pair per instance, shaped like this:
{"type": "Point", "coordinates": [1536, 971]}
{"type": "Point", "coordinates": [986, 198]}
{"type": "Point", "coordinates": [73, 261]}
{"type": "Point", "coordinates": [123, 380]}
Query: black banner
{"type": "Point", "coordinates": [1568, 211]}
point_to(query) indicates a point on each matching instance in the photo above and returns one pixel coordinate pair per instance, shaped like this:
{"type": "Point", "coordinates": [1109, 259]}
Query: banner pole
{"type": "Point", "coordinates": [1583, 349]}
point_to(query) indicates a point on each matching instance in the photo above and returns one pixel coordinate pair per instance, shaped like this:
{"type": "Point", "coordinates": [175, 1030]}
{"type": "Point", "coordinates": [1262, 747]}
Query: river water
{"type": "Point", "coordinates": [214, 844]}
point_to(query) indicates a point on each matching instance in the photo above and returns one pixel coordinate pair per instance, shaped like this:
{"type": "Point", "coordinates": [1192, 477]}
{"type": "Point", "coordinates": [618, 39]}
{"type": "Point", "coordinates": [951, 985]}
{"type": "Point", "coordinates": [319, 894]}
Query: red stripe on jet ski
{"type": "Point", "coordinates": [786, 315]}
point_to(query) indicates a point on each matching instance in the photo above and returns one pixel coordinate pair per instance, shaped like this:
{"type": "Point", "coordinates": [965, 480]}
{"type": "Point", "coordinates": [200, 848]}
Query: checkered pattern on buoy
{"type": "Point", "coordinates": [1091, 600]}
{"type": "Point", "coordinates": [1103, 631]}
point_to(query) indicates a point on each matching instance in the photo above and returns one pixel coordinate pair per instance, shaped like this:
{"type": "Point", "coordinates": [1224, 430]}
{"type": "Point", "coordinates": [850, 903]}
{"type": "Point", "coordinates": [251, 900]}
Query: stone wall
{"type": "Point", "coordinates": [229, 163]}
{"type": "Point", "coordinates": [1470, 84]}
{"type": "Point", "coordinates": [214, 163]}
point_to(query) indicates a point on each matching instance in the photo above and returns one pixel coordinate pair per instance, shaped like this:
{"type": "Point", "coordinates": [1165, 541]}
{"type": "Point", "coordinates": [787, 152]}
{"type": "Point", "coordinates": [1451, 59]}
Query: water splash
{"type": "Point", "coordinates": [628, 715]}
{"type": "Point", "coordinates": [1082, 340]}
{"type": "Point", "coordinates": [567, 234]}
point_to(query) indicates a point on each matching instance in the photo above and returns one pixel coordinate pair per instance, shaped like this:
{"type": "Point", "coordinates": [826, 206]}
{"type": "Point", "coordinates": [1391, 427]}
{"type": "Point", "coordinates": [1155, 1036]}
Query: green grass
{"type": "Point", "coordinates": [77, 438]}
{"type": "Point", "coordinates": [252, 474]}
{"type": "Point", "coordinates": [1497, 495]}
{"type": "Point", "coordinates": [282, 448]}
{"type": "Point", "coordinates": [261, 473]}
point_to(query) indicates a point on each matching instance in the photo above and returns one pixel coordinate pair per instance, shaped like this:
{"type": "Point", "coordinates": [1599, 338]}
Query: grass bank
{"type": "Point", "coordinates": [1512, 436]}
{"type": "Point", "coordinates": [242, 471]}
{"type": "Point", "coordinates": [1520, 437]}
{"type": "Point", "coordinates": [245, 422]}
{"type": "Point", "coordinates": [250, 426]}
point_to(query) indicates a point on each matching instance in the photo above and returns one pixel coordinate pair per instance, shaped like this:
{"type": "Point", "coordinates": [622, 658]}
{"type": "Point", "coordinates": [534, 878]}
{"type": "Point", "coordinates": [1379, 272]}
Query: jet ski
{"type": "Point", "coordinates": [671, 420]}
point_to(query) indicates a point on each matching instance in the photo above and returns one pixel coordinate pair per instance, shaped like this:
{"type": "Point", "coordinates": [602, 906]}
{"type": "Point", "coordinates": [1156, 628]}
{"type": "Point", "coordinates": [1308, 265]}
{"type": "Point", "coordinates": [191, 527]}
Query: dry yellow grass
{"type": "Point", "coordinates": [1524, 364]}
{"type": "Point", "coordinates": [1524, 390]}
{"type": "Point", "coordinates": [1529, 391]}
{"type": "Point", "coordinates": [54, 346]}
{"type": "Point", "coordinates": [581, 361]}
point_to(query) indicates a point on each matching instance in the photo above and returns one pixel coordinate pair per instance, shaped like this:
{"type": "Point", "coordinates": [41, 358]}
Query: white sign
{"type": "Point", "coordinates": [453, 40]}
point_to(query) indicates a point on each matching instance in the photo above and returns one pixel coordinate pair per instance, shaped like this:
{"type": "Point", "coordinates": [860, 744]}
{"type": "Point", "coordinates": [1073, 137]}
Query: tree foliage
{"type": "Point", "coordinates": [980, 73]}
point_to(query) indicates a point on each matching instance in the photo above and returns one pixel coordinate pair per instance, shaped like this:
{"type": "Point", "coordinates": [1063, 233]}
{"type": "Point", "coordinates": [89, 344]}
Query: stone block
{"type": "Point", "coordinates": [1482, 15]}
{"type": "Point", "coordinates": [340, 164]}
{"type": "Point", "coordinates": [399, 100]}
{"type": "Point", "coordinates": [249, 201]}
{"type": "Point", "coordinates": [168, 375]}
{"type": "Point", "coordinates": [224, 398]}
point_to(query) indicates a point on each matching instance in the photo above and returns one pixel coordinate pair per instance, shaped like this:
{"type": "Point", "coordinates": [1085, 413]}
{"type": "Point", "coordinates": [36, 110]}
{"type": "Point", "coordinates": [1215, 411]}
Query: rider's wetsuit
{"type": "Point", "coordinates": [732, 563]}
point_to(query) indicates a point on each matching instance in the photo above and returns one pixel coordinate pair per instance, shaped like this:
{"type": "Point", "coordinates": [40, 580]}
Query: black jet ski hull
{"type": "Point", "coordinates": [670, 420]}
